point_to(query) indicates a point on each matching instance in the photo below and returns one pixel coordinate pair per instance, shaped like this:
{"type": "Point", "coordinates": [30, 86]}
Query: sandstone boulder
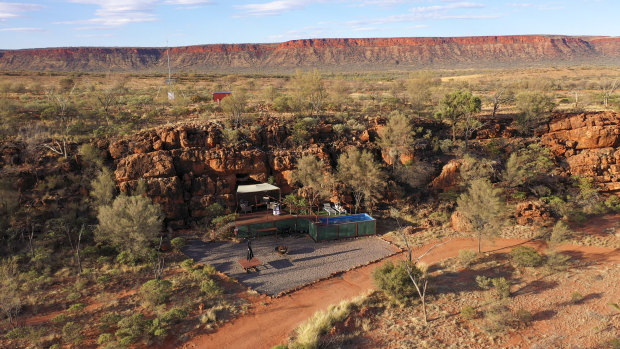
{"type": "Point", "coordinates": [118, 149]}
{"type": "Point", "coordinates": [532, 212]}
{"type": "Point", "coordinates": [157, 164]}
{"type": "Point", "coordinates": [589, 144]}
{"type": "Point", "coordinates": [449, 177]}
{"type": "Point", "coordinates": [460, 223]}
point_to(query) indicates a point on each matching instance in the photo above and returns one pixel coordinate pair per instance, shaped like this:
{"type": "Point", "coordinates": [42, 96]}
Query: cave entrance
{"type": "Point", "coordinates": [258, 197]}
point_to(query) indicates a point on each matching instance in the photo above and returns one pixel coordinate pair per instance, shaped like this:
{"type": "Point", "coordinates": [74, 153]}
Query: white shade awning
{"type": "Point", "coordinates": [255, 188]}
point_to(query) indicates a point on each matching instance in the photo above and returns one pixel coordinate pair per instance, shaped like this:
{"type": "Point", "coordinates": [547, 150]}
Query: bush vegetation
{"type": "Point", "coordinates": [155, 292]}
{"type": "Point", "coordinates": [395, 282]}
{"type": "Point", "coordinates": [58, 181]}
{"type": "Point", "coordinates": [526, 256]}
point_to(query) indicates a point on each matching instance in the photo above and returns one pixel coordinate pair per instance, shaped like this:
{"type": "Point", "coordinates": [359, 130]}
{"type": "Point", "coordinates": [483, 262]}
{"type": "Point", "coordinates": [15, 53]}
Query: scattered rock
{"type": "Point", "coordinates": [450, 176]}
{"type": "Point", "coordinates": [532, 212]}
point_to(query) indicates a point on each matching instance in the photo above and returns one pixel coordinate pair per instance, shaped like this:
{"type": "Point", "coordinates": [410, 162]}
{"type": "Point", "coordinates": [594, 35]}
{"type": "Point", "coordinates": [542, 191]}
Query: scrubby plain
{"type": "Point", "coordinates": [80, 268]}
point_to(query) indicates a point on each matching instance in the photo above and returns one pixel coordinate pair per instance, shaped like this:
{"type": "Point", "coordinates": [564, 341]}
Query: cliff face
{"type": "Point", "coordinates": [187, 168]}
{"type": "Point", "coordinates": [343, 54]}
{"type": "Point", "coordinates": [588, 146]}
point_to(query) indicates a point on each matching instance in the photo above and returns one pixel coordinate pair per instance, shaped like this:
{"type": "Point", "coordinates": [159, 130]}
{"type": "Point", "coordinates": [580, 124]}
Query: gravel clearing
{"type": "Point", "coordinates": [305, 262]}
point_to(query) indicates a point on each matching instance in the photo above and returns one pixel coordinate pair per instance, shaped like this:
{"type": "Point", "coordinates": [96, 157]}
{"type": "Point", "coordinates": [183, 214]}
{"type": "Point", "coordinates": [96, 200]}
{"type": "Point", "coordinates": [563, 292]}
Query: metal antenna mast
{"type": "Point", "coordinates": [169, 81]}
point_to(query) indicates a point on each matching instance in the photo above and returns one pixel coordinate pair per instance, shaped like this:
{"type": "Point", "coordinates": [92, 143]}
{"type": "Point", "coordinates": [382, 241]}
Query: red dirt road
{"type": "Point", "coordinates": [270, 324]}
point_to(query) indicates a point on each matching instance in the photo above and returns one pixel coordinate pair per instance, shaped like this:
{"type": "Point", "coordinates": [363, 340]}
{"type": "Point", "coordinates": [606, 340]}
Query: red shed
{"type": "Point", "coordinates": [218, 96]}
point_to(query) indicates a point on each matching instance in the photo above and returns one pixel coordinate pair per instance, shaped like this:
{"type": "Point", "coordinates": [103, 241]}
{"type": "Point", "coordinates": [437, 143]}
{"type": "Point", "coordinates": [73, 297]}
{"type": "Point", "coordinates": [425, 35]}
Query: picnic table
{"type": "Point", "coordinates": [250, 264]}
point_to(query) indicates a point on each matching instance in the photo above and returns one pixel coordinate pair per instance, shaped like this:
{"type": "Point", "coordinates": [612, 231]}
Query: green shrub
{"type": "Point", "coordinates": [188, 264]}
{"type": "Point", "coordinates": [394, 280]}
{"type": "Point", "coordinates": [528, 165]}
{"type": "Point", "coordinates": [212, 211]}
{"type": "Point", "coordinates": [576, 297]}
{"type": "Point", "coordinates": [104, 279]}
{"type": "Point", "coordinates": [156, 292]}
{"type": "Point", "coordinates": [131, 329]}
{"type": "Point", "coordinates": [76, 308]}
{"type": "Point", "coordinates": [74, 296]}
{"type": "Point", "coordinates": [210, 288]}
{"type": "Point", "coordinates": [439, 217]}
{"type": "Point", "coordinates": [59, 318]}
{"type": "Point", "coordinates": [519, 195]}
{"type": "Point", "coordinates": [177, 243]}
{"type": "Point", "coordinates": [613, 203]}
{"type": "Point", "coordinates": [157, 328]}
{"type": "Point", "coordinates": [483, 282]}
{"type": "Point", "coordinates": [19, 332]}
{"type": "Point", "coordinates": [174, 315]}
{"type": "Point", "coordinates": [204, 273]}
{"type": "Point", "coordinates": [502, 287]}
{"type": "Point", "coordinates": [127, 258]}
{"type": "Point", "coordinates": [103, 260]}
{"type": "Point", "coordinates": [467, 257]}
{"type": "Point", "coordinates": [561, 232]}
{"type": "Point", "coordinates": [72, 333]}
{"type": "Point", "coordinates": [526, 256]}
{"type": "Point", "coordinates": [209, 269]}
{"type": "Point", "coordinates": [105, 338]}
{"type": "Point", "coordinates": [89, 251]}
{"type": "Point", "coordinates": [469, 312]}
{"type": "Point", "coordinates": [107, 321]}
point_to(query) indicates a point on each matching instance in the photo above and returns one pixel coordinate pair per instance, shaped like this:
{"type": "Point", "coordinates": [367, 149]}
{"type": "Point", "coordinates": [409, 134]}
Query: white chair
{"type": "Point", "coordinates": [327, 207]}
{"type": "Point", "coordinates": [340, 209]}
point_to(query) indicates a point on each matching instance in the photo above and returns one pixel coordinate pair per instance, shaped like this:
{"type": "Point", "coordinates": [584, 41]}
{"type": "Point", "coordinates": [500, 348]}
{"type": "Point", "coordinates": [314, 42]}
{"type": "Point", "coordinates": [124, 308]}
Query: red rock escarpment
{"type": "Point", "coordinates": [371, 54]}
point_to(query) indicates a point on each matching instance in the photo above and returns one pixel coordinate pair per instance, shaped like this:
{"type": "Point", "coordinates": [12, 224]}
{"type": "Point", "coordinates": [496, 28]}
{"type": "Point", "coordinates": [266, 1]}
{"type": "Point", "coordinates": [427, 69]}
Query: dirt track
{"type": "Point", "coordinates": [270, 324]}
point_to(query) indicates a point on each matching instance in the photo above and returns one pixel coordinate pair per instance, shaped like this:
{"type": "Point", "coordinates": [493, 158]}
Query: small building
{"type": "Point", "coordinates": [218, 96]}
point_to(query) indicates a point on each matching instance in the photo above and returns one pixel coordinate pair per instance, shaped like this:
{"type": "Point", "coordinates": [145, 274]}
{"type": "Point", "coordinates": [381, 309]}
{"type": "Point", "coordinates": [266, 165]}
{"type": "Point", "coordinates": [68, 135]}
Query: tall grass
{"type": "Point", "coordinates": [308, 334]}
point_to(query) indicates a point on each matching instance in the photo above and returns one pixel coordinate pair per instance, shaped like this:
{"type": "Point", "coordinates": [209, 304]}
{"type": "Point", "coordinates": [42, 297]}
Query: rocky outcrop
{"type": "Point", "coordinates": [187, 168]}
{"type": "Point", "coordinates": [151, 165]}
{"type": "Point", "coordinates": [587, 145]}
{"type": "Point", "coordinates": [460, 223]}
{"type": "Point", "coordinates": [532, 212]}
{"type": "Point", "coordinates": [449, 177]}
{"type": "Point", "coordinates": [346, 54]}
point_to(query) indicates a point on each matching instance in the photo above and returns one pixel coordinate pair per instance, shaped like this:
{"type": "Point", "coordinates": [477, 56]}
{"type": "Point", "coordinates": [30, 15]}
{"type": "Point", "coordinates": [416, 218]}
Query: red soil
{"type": "Point", "coordinates": [271, 323]}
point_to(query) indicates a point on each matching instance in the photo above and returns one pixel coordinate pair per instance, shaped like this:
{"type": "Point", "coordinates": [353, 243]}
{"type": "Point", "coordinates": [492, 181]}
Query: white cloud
{"type": "Point", "coordinates": [189, 2]}
{"type": "Point", "coordinates": [277, 7]}
{"type": "Point", "coordinates": [114, 13]}
{"type": "Point", "coordinates": [384, 2]}
{"type": "Point", "coordinates": [303, 33]}
{"type": "Point", "coordinates": [22, 29]}
{"type": "Point", "coordinates": [541, 7]}
{"type": "Point", "coordinates": [365, 29]}
{"type": "Point", "coordinates": [428, 13]}
{"type": "Point", "coordinates": [13, 9]}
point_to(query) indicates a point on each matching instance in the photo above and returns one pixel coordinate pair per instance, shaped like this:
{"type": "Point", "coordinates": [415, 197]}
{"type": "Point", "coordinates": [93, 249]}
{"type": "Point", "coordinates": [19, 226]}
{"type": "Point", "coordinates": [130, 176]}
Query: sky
{"type": "Point", "coordinates": [158, 23]}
